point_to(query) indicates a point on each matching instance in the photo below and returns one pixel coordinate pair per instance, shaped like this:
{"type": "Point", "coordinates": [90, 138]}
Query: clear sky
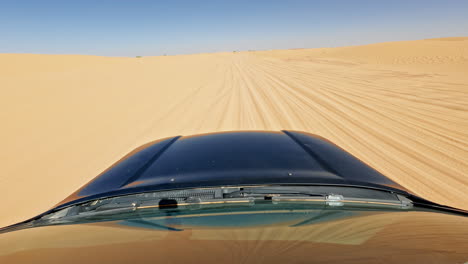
{"type": "Point", "coordinates": [156, 27]}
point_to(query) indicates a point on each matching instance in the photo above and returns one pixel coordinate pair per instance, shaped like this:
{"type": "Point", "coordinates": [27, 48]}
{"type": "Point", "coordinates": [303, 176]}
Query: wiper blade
{"type": "Point", "coordinates": [111, 207]}
{"type": "Point", "coordinates": [336, 200]}
{"type": "Point", "coordinates": [331, 196]}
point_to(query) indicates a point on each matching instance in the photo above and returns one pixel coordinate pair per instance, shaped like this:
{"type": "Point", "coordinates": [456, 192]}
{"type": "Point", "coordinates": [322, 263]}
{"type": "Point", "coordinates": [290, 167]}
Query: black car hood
{"type": "Point", "coordinates": [232, 158]}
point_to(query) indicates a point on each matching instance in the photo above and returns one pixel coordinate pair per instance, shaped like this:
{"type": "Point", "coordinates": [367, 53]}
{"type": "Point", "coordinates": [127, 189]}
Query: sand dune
{"type": "Point", "coordinates": [402, 107]}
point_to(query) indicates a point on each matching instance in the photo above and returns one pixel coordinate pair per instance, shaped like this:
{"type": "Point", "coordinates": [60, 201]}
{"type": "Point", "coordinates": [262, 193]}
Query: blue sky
{"type": "Point", "coordinates": [143, 27]}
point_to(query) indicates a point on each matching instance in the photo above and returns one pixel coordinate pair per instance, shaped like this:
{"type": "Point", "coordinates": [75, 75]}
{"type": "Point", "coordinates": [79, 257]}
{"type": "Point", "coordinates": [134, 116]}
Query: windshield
{"type": "Point", "coordinates": [296, 222]}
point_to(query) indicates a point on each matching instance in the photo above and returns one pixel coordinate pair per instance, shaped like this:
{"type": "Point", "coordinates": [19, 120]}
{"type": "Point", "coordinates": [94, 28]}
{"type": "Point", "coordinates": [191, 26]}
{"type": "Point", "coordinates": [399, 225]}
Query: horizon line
{"type": "Point", "coordinates": [232, 51]}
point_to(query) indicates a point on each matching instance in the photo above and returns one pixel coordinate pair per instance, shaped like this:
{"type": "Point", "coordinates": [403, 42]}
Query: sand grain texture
{"type": "Point", "coordinates": [402, 107]}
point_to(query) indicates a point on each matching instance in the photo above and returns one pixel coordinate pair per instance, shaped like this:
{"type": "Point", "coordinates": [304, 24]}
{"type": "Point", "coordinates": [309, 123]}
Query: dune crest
{"type": "Point", "coordinates": [401, 107]}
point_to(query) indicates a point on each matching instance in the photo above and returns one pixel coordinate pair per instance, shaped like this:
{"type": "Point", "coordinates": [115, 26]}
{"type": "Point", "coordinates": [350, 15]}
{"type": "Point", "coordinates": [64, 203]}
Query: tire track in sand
{"type": "Point", "coordinates": [409, 147]}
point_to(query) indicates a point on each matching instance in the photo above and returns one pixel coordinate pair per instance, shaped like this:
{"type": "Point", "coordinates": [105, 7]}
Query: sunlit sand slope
{"type": "Point", "coordinates": [402, 107]}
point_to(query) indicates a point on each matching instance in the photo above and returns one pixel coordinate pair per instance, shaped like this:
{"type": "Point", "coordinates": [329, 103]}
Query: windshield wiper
{"type": "Point", "coordinates": [328, 198]}
{"type": "Point", "coordinates": [194, 199]}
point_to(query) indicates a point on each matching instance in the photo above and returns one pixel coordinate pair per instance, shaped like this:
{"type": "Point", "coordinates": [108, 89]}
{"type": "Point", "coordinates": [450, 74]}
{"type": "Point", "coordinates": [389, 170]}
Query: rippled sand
{"type": "Point", "coordinates": [402, 107]}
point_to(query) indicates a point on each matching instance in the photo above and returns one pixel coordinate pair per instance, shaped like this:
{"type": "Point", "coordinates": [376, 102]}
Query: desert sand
{"type": "Point", "coordinates": [401, 107]}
